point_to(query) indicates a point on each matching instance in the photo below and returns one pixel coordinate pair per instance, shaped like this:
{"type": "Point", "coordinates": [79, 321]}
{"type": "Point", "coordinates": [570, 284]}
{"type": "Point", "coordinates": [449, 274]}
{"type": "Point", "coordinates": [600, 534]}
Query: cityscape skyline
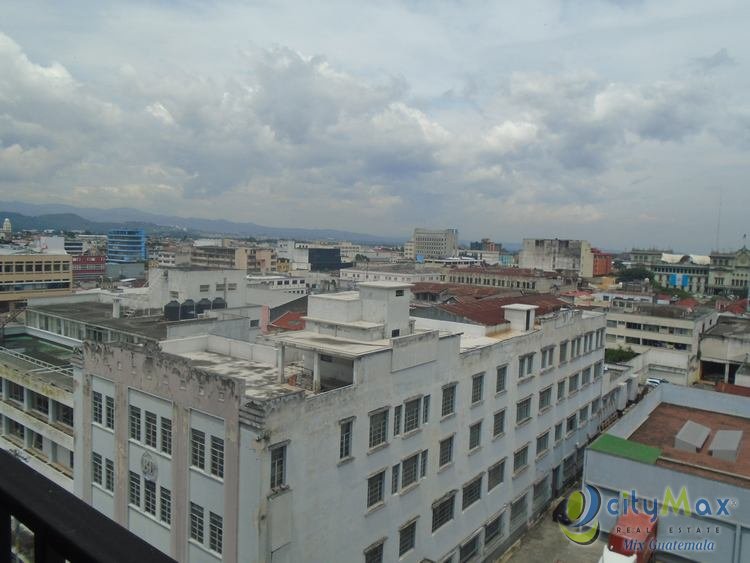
{"type": "Point", "coordinates": [552, 120]}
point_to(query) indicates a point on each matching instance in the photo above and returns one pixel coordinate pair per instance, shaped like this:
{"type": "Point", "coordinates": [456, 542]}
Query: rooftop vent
{"type": "Point", "coordinates": [726, 444]}
{"type": "Point", "coordinates": [691, 437]}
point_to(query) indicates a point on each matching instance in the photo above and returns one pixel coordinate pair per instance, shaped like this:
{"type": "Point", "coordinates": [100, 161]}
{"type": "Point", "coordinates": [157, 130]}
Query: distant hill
{"type": "Point", "coordinates": [68, 217]}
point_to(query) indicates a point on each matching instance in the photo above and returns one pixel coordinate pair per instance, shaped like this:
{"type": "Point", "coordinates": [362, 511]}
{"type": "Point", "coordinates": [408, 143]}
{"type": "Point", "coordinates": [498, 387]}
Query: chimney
{"type": "Point", "coordinates": [521, 317]}
{"type": "Point", "coordinates": [116, 308]}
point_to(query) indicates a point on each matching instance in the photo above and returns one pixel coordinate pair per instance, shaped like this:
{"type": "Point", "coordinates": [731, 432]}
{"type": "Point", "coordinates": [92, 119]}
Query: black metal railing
{"type": "Point", "coordinates": [64, 527]}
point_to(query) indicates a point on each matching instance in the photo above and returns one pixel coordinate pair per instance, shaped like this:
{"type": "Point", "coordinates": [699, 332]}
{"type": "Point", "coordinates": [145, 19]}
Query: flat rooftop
{"type": "Point", "coordinates": [731, 327]}
{"type": "Point", "coordinates": [666, 420]}
{"type": "Point", "coordinates": [664, 312]}
{"type": "Point", "coordinates": [334, 345]}
{"type": "Point", "coordinates": [43, 361]}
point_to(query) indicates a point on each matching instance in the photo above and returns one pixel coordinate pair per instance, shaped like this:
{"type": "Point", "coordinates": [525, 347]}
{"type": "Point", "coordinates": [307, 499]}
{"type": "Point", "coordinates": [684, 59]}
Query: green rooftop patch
{"type": "Point", "coordinates": [620, 447]}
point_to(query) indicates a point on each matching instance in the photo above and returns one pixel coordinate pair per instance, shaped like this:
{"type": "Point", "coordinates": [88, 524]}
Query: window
{"type": "Point", "coordinates": [406, 538]}
{"type": "Point", "coordinates": [197, 448]}
{"type": "Point", "coordinates": [525, 365]}
{"type": "Point", "coordinates": [395, 473]}
{"type": "Point", "coordinates": [495, 475]}
{"type": "Point", "coordinates": [545, 398]}
{"type": "Point", "coordinates": [378, 428]}
{"type": "Point", "coordinates": [15, 392]}
{"type": "Point", "coordinates": [583, 415]}
{"type": "Point", "coordinates": [397, 420]}
{"type": "Point", "coordinates": [215, 532]}
{"type": "Point", "coordinates": [571, 423]}
{"type": "Point", "coordinates": [150, 433]}
{"type": "Point", "coordinates": [423, 464]}
{"type": "Point", "coordinates": [166, 436]}
{"type": "Point", "coordinates": [204, 288]}
{"type": "Point", "coordinates": [477, 388]}
{"type": "Point", "coordinates": [278, 466]}
{"type": "Point", "coordinates": [586, 376]}
{"type": "Point", "coordinates": [96, 468]}
{"type": "Point", "coordinates": [409, 473]}
{"type": "Point", "coordinates": [449, 400]}
{"type": "Point", "coordinates": [573, 383]}
{"type": "Point", "coordinates": [109, 412]}
{"type": "Point", "coordinates": [65, 414]}
{"type": "Point", "coordinates": [547, 357]}
{"type": "Point", "coordinates": [595, 406]}
{"type": "Point", "coordinates": [425, 409]}
{"type": "Point", "coordinates": [165, 506]}
{"type": "Point", "coordinates": [597, 370]}
{"type": "Point", "coordinates": [471, 493]}
{"type": "Point", "coordinates": [196, 522]}
{"type": "Point", "coordinates": [442, 511]}
{"type": "Point", "coordinates": [558, 431]}
{"type": "Point", "coordinates": [375, 489]}
{"type": "Point", "coordinates": [149, 497]}
{"type": "Point", "coordinates": [134, 418]}
{"type": "Point", "coordinates": [523, 410]}
{"type": "Point", "coordinates": [542, 443]}
{"type": "Point", "coordinates": [469, 549]}
{"type": "Point", "coordinates": [560, 390]}
{"type": "Point", "coordinates": [217, 457]}
{"type": "Point", "coordinates": [520, 459]}
{"type": "Point", "coordinates": [37, 441]}
{"type": "Point", "coordinates": [96, 407]}
{"type": "Point", "coordinates": [109, 475]}
{"type": "Point", "coordinates": [374, 554]}
{"type": "Point", "coordinates": [446, 451]}
{"type": "Point", "coordinates": [475, 435]}
{"type": "Point", "coordinates": [345, 441]}
{"type": "Point", "coordinates": [498, 424]}
{"type": "Point", "coordinates": [134, 490]}
{"type": "Point", "coordinates": [399, 293]}
{"type": "Point", "coordinates": [493, 529]}
{"type": "Point", "coordinates": [411, 415]}
{"type": "Point", "coordinates": [501, 381]}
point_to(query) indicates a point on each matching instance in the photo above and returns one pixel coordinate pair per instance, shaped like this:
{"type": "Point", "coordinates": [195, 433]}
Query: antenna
{"type": "Point", "coordinates": [718, 224]}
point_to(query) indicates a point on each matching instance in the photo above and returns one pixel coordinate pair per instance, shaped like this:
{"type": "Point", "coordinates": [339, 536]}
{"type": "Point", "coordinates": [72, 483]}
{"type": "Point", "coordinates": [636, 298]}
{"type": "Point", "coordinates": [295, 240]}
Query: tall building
{"type": "Point", "coordinates": [126, 246]}
{"type": "Point", "coordinates": [557, 254]}
{"type": "Point", "coordinates": [433, 243]}
{"type": "Point", "coordinates": [7, 230]}
{"type": "Point", "coordinates": [422, 441]}
{"type": "Point", "coordinates": [25, 274]}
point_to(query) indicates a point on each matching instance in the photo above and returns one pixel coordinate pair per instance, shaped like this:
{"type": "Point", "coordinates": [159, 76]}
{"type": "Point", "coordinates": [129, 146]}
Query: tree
{"type": "Point", "coordinates": [635, 274]}
{"type": "Point", "coordinates": [619, 355]}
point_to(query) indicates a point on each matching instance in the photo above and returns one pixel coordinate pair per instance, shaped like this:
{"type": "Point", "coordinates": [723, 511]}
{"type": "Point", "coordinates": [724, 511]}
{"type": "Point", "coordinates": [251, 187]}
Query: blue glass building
{"type": "Point", "coordinates": [126, 245]}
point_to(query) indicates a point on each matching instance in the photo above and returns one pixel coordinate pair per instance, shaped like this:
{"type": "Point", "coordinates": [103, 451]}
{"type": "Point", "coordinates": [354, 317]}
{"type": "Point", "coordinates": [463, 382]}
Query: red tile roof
{"type": "Point", "coordinates": [457, 290]}
{"type": "Point", "coordinates": [688, 303]}
{"type": "Point", "coordinates": [291, 320]}
{"type": "Point", "coordinates": [517, 272]}
{"type": "Point", "coordinates": [490, 311]}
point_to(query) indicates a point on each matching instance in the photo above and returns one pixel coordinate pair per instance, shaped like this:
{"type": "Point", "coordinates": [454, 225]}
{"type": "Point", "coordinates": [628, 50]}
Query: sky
{"type": "Point", "coordinates": [623, 122]}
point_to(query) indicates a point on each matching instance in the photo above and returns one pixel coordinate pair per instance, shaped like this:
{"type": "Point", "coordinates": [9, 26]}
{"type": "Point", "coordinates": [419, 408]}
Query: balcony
{"type": "Point", "coordinates": [54, 526]}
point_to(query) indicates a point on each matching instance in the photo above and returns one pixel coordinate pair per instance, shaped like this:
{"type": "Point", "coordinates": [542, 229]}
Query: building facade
{"type": "Point", "coordinates": [126, 246]}
{"type": "Point", "coordinates": [553, 255]}
{"type": "Point", "coordinates": [421, 442]}
{"type": "Point", "coordinates": [432, 243]}
{"type": "Point", "coordinates": [730, 272]}
{"type": "Point", "coordinates": [25, 275]}
{"type": "Point", "coordinates": [86, 267]}
{"type": "Point", "coordinates": [405, 273]}
{"type": "Point", "coordinates": [512, 278]}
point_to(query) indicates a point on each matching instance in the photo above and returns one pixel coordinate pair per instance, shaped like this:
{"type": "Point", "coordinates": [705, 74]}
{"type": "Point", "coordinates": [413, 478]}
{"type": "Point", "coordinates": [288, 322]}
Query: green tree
{"type": "Point", "coordinates": [635, 274]}
{"type": "Point", "coordinates": [619, 355]}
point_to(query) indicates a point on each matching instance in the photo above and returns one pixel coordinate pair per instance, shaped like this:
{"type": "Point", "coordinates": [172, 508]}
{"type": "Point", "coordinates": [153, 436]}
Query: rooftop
{"type": "Point", "coordinates": [515, 272]}
{"type": "Point", "coordinates": [665, 311]}
{"type": "Point", "coordinates": [730, 327]}
{"type": "Point", "coordinates": [334, 345]}
{"type": "Point", "coordinates": [666, 420]}
{"type": "Point", "coordinates": [43, 361]}
{"type": "Point", "coordinates": [491, 311]}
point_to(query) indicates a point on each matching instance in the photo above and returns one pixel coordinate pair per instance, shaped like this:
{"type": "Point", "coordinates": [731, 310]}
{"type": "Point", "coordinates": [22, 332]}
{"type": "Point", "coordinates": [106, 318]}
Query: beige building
{"type": "Point", "coordinates": [730, 272]}
{"type": "Point", "coordinates": [220, 257]}
{"type": "Point", "coordinates": [552, 255]}
{"type": "Point", "coordinates": [432, 243]}
{"type": "Point", "coordinates": [512, 278]}
{"type": "Point", "coordinates": [25, 274]}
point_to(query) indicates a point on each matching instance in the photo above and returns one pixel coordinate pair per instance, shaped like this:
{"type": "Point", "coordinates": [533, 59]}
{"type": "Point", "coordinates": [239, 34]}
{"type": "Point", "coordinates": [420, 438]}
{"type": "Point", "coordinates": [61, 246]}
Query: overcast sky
{"type": "Point", "coordinates": [618, 121]}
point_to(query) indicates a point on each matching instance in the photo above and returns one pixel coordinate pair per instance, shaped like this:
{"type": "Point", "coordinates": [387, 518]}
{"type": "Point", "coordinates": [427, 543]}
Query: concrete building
{"type": "Point", "coordinates": [552, 255]}
{"type": "Point", "coordinates": [730, 272]}
{"type": "Point", "coordinates": [421, 439]}
{"type": "Point", "coordinates": [219, 257]}
{"type": "Point", "coordinates": [432, 243]}
{"type": "Point", "coordinates": [640, 457]}
{"type": "Point", "coordinates": [687, 272]}
{"type": "Point", "coordinates": [89, 267]}
{"type": "Point", "coordinates": [197, 283]}
{"type": "Point", "coordinates": [646, 327]}
{"type": "Point", "coordinates": [295, 285]}
{"type": "Point", "coordinates": [25, 274]}
{"type": "Point", "coordinates": [725, 348]}
{"type": "Point", "coordinates": [309, 256]}
{"type": "Point", "coordinates": [36, 406]}
{"type": "Point", "coordinates": [404, 273]}
{"type": "Point", "coordinates": [647, 257]}
{"type": "Point", "coordinates": [602, 265]}
{"type": "Point", "coordinates": [7, 230]}
{"type": "Point", "coordinates": [126, 246]}
{"type": "Point", "coordinates": [512, 278]}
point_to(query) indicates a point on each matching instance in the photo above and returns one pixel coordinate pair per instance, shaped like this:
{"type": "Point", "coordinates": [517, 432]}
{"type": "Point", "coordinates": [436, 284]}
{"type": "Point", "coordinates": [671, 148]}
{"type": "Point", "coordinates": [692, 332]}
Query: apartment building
{"type": "Point", "coordinates": [553, 255]}
{"type": "Point", "coordinates": [36, 406]}
{"type": "Point", "coordinates": [421, 439]}
{"type": "Point", "coordinates": [512, 278]}
{"type": "Point", "coordinates": [432, 243]}
{"type": "Point", "coordinates": [25, 274]}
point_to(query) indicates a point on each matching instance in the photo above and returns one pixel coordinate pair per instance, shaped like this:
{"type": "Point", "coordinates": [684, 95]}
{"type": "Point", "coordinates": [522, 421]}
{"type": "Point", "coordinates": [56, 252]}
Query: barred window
{"type": "Point", "coordinates": [406, 538]}
{"type": "Point", "coordinates": [423, 464]}
{"type": "Point", "coordinates": [475, 435]}
{"type": "Point", "coordinates": [134, 491]}
{"type": "Point", "coordinates": [395, 473]}
{"type": "Point", "coordinates": [523, 410]}
{"type": "Point", "coordinates": [165, 506]}
{"type": "Point", "coordinates": [495, 475]}
{"type": "Point", "coordinates": [197, 448]}
{"type": "Point", "coordinates": [493, 529]}
{"type": "Point", "coordinates": [397, 420]}
{"type": "Point", "coordinates": [96, 407]}
{"type": "Point", "coordinates": [502, 378]}
{"type": "Point", "coordinates": [196, 522]}
{"type": "Point", "coordinates": [545, 398]}
{"type": "Point", "coordinates": [215, 532]}
{"type": "Point", "coordinates": [96, 468]}
{"type": "Point", "coordinates": [166, 436]}
{"type": "Point", "coordinates": [378, 428]}
{"type": "Point", "coordinates": [150, 424]}
{"type": "Point", "coordinates": [109, 475]}
{"type": "Point", "coordinates": [542, 443]}
{"type": "Point", "coordinates": [449, 400]}
{"type": "Point", "coordinates": [425, 409]}
{"type": "Point", "coordinates": [442, 512]}
{"type": "Point", "coordinates": [410, 467]}
{"type": "Point", "coordinates": [411, 415]}
{"type": "Point", "coordinates": [134, 419]}
{"type": "Point", "coordinates": [375, 486]}
{"type": "Point", "coordinates": [109, 420]}
{"type": "Point", "coordinates": [520, 459]}
{"type": "Point", "coordinates": [498, 423]}
{"type": "Point", "coordinates": [472, 492]}
{"type": "Point", "coordinates": [149, 497]}
{"type": "Point", "coordinates": [374, 554]}
{"type": "Point", "coordinates": [477, 388]}
{"type": "Point", "coordinates": [468, 550]}
{"type": "Point", "coordinates": [217, 456]}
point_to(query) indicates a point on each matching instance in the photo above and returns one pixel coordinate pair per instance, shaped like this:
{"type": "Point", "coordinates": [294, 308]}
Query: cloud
{"type": "Point", "coordinates": [719, 59]}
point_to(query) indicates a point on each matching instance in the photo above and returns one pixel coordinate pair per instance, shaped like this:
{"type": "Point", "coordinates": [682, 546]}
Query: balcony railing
{"type": "Point", "coordinates": [63, 526]}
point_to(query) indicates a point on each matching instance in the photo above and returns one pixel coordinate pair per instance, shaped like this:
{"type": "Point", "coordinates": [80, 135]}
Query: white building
{"type": "Point", "coordinates": [432, 243]}
{"type": "Point", "coordinates": [403, 273]}
{"type": "Point", "coordinates": [552, 255]}
{"type": "Point", "coordinates": [295, 285]}
{"type": "Point", "coordinates": [369, 436]}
